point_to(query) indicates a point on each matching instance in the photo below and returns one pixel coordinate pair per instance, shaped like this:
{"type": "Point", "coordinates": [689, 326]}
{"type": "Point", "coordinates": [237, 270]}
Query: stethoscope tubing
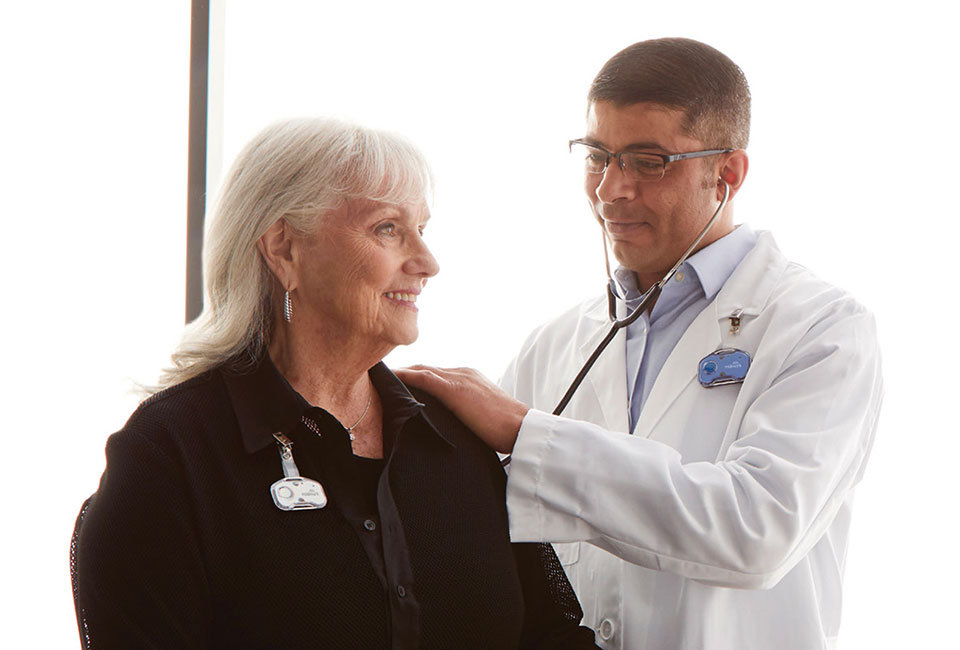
{"type": "Point", "coordinates": [616, 326]}
{"type": "Point", "coordinates": [647, 299]}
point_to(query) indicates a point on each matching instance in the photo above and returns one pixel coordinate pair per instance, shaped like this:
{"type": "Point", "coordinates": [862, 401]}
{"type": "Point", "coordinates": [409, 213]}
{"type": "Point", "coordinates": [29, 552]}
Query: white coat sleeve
{"type": "Point", "coordinates": [742, 521]}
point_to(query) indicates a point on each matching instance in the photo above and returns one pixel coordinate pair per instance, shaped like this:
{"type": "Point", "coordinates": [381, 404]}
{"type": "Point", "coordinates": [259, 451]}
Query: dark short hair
{"type": "Point", "coordinates": [684, 74]}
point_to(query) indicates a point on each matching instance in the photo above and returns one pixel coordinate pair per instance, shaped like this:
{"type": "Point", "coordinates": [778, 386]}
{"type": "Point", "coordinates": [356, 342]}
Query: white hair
{"type": "Point", "coordinates": [297, 170]}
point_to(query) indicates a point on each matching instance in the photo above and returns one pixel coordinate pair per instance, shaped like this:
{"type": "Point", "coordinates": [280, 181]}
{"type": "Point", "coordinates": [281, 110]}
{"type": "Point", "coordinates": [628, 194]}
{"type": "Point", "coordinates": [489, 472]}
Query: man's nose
{"type": "Point", "coordinates": [615, 185]}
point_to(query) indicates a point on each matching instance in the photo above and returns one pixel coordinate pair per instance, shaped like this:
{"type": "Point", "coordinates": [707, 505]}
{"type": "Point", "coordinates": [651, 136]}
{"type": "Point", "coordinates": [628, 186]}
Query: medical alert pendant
{"type": "Point", "coordinates": [725, 366]}
{"type": "Point", "coordinates": [294, 492]}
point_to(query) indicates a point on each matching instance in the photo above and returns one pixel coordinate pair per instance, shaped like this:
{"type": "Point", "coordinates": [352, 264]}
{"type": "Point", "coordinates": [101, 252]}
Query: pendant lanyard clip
{"type": "Point", "coordinates": [286, 455]}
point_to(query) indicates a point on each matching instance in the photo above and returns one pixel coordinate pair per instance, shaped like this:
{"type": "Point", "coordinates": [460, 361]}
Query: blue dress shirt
{"type": "Point", "coordinates": [652, 337]}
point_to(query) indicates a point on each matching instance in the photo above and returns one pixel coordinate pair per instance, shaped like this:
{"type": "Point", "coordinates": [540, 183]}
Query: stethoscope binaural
{"type": "Point", "coordinates": [648, 298]}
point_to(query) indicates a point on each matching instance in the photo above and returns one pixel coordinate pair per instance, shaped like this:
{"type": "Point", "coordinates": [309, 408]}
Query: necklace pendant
{"type": "Point", "coordinates": [360, 419]}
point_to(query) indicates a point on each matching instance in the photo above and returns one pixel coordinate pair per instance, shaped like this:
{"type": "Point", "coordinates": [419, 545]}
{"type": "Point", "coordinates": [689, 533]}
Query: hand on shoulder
{"type": "Point", "coordinates": [492, 414]}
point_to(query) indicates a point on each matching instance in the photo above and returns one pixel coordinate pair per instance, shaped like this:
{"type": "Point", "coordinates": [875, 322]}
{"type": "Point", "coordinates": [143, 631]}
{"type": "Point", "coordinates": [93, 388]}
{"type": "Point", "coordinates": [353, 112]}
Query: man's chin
{"type": "Point", "coordinates": [640, 259]}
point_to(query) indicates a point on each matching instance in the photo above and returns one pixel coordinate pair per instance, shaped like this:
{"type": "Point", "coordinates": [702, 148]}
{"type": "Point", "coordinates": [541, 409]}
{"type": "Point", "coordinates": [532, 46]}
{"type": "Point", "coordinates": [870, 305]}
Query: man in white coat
{"type": "Point", "coordinates": [689, 513]}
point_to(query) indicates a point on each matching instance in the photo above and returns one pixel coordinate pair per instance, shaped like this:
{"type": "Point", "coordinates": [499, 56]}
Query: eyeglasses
{"type": "Point", "coordinates": [637, 165]}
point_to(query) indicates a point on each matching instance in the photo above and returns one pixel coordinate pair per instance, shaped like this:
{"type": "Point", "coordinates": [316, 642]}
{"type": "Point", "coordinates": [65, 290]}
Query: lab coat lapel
{"type": "Point", "coordinates": [700, 339]}
{"type": "Point", "coordinates": [751, 284]}
{"type": "Point", "coordinates": [607, 381]}
{"type": "Point", "coordinates": [748, 289]}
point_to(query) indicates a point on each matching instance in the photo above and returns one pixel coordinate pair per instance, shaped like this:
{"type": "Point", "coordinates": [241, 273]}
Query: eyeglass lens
{"type": "Point", "coordinates": [641, 166]}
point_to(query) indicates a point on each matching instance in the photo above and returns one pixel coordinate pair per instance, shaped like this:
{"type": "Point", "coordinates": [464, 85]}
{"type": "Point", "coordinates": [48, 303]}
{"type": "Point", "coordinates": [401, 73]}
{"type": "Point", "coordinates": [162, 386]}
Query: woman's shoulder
{"type": "Point", "coordinates": [439, 415]}
{"type": "Point", "coordinates": [185, 396]}
{"type": "Point", "coordinates": [179, 411]}
{"type": "Point", "coordinates": [451, 427]}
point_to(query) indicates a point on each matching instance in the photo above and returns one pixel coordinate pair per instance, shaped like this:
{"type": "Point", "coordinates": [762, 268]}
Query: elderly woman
{"type": "Point", "coordinates": [284, 489]}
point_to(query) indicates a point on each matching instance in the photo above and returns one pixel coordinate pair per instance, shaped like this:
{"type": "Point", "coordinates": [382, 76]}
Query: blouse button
{"type": "Point", "coordinates": [401, 591]}
{"type": "Point", "coordinates": [606, 629]}
{"type": "Point", "coordinates": [370, 525]}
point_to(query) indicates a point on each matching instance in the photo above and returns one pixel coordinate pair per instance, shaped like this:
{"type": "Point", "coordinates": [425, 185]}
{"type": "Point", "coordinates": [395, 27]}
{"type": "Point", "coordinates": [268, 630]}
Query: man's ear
{"type": "Point", "coordinates": [276, 248]}
{"type": "Point", "coordinates": [733, 171]}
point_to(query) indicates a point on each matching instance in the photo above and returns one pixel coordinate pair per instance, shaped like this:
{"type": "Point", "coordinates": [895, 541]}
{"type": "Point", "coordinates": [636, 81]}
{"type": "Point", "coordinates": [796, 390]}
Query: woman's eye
{"type": "Point", "coordinates": [387, 229]}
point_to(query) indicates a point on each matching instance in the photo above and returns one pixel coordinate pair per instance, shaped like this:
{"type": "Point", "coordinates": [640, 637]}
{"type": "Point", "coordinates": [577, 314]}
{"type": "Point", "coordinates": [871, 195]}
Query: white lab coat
{"type": "Point", "coordinates": [722, 522]}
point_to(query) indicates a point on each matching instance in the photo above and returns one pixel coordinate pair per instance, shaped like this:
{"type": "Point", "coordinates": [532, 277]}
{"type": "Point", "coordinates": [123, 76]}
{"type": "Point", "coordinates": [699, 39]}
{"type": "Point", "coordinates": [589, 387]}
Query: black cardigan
{"type": "Point", "coordinates": [182, 545]}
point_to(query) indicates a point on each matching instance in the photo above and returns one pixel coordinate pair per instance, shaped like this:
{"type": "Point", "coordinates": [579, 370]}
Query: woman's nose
{"type": "Point", "coordinates": [421, 261]}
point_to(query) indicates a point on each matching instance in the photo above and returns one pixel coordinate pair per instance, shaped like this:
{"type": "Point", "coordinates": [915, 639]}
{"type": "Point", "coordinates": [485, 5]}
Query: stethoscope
{"type": "Point", "coordinates": [648, 298]}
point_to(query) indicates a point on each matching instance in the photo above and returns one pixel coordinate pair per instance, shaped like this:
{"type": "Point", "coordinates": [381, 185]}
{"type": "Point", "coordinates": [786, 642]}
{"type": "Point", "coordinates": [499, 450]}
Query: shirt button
{"type": "Point", "coordinates": [679, 276]}
{"type": "Point", "coordinates": [401, 591]}
{"type": "Point", "coordinates": [370, 525]}
{"type": "Point", "coordinates": [606, 629]}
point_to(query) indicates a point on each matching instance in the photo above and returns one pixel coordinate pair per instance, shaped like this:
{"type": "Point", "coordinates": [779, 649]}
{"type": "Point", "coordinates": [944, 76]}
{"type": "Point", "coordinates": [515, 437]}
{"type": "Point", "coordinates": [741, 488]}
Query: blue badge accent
{"type": "Point", "coordinates": [725, 366]}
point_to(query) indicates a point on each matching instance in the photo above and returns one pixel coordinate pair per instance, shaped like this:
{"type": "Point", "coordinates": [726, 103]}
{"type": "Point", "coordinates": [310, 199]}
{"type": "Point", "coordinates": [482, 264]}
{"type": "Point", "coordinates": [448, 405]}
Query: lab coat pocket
{"type": "Point", "coordinates": [567, 553]}
{"type": "Point", "coordinates": [569, 556]}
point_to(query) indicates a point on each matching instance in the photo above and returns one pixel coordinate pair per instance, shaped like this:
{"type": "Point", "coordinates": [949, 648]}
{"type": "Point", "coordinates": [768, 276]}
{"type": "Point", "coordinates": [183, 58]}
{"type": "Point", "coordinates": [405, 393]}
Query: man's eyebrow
{"type": "Point", "coordinates": [645, 145]}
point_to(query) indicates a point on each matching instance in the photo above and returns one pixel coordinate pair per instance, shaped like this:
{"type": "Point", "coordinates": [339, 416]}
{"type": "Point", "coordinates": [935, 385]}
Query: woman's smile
{"type": "Point", "coordinates": [403, 298]}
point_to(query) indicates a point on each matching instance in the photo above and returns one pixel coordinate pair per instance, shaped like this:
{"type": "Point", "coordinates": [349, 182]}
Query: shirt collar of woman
{"type": "Point", "coordinates": [265, 403]}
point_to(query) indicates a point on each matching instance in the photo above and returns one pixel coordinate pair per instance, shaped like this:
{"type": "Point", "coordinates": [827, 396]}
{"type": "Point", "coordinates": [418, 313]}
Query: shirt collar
{"type": "Point", "coordinates": [712, 265]}
{"type": "Point", "coordinates": [265, 403]}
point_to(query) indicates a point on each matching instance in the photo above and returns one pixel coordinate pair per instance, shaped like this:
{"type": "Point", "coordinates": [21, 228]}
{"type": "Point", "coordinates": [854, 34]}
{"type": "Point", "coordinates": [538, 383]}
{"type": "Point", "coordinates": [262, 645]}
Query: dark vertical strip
{"type": "Point", "coordinates": [197, 156]}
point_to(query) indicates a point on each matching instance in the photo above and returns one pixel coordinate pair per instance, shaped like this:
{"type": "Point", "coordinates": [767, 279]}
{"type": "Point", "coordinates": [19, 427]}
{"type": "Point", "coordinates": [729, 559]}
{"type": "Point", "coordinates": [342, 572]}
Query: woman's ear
{"type": "Point", "coordinates": [276, 248]}
{"type": "Point", "coordinates": [733, 171]}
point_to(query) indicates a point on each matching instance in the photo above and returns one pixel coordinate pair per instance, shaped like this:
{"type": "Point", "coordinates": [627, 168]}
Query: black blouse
{"type": "Point", "coordinates": [183, 546]}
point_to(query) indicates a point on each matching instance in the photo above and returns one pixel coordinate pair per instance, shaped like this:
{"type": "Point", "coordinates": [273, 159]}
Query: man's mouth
{"type": "Point", "coordinates": [623, 227]}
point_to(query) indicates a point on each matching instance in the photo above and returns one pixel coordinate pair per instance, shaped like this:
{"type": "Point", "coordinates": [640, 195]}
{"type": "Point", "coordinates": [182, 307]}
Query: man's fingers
{"type": "Point", "coordinates": [485, 408]}
{"type": "Point", "coordinates": [416, 366]}
{"type": "Point", "coordinates": [421, 377]}
{"type": "Point", "coordinates": [447, 383]}
{"type": "Point", "coordinates": [451, 375]}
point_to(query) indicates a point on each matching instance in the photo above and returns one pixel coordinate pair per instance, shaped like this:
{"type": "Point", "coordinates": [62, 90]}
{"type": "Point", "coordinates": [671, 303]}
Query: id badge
{"type": "Point", "coordinates": [295, 492]}
{"type": "Point", "coordinates": [298, 493]}
{"type": "Point", "coordinates": [725, 366]}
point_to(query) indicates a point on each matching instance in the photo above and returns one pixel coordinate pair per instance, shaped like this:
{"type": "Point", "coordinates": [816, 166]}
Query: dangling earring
{"type": "Point", "coordinates": [287, 306]}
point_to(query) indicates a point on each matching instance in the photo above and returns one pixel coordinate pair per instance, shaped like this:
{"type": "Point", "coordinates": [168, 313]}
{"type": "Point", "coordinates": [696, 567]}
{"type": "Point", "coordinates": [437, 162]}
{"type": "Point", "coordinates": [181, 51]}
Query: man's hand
{"type": "Point", "coordinates": [482, 405]}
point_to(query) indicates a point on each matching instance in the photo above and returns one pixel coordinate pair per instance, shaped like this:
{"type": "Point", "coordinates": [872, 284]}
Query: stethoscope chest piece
{"type": "Point", "coordinates": [722, 367]}
{"type": "Point", "coordinates": [295, 492]}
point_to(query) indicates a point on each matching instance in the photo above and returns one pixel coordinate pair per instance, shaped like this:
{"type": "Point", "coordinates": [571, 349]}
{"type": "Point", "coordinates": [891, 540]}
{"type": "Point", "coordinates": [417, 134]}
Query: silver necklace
{"type": "Point", "coordinates": [313, 425]}
{"type": "Point", "coordinates": [360, 419]}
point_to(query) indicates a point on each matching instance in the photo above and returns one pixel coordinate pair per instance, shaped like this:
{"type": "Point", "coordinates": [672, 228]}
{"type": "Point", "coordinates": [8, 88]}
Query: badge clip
{"type": "Point", "coordinates": [735, 321]}
{"type": "Point", "coordinates": [725, 366]}
{"type": "Point", "coordinates": [294, 492]}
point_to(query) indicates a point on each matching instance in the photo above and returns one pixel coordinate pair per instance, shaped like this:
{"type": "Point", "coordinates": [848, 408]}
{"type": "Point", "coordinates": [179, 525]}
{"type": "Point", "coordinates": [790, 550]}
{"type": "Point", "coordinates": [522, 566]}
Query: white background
{"type": "Point", "coordinates": [853, 166]}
